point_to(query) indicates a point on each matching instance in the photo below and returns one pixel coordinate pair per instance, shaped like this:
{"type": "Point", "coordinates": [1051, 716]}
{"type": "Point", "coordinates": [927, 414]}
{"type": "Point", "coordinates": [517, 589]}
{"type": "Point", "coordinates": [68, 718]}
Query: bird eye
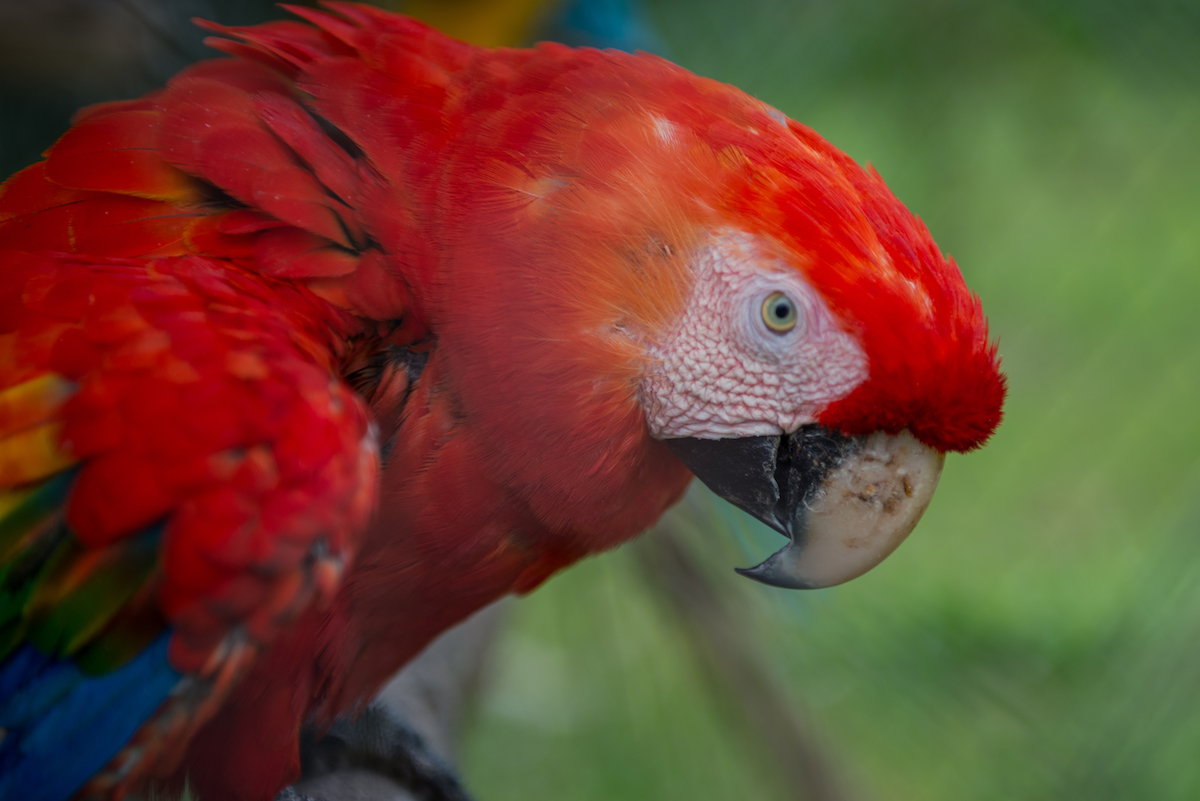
{"type": "Point", "coordinates": [779, 313]}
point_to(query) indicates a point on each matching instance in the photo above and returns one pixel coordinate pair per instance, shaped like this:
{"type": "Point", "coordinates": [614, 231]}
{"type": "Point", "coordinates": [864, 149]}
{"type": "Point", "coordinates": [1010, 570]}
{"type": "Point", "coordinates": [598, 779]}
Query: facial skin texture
{"type": "Point", "coordinates": [722, 372]}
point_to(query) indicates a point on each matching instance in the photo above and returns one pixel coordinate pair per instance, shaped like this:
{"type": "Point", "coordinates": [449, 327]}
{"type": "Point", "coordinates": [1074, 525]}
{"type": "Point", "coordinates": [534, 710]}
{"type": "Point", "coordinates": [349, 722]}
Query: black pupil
{"type": "Point", "coordinates": [781, 310]}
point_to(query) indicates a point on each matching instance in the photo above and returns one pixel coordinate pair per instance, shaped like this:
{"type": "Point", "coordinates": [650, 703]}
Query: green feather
{"type": "Point", "coordinates": [138, 624]}
{"type": "Point", "coordinates": [31, 531]}
{"type": "Point", "coordinates": [66, 599]}
{"type": "Point", "coordinates": [79, 592]}
{"type": "Point", "coordinates": [24, 514]}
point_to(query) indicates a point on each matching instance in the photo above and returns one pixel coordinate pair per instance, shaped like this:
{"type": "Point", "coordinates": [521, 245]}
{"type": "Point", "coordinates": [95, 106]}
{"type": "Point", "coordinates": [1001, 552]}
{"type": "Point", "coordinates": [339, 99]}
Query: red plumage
{"type": "Point", "coordinates": [216, 266]}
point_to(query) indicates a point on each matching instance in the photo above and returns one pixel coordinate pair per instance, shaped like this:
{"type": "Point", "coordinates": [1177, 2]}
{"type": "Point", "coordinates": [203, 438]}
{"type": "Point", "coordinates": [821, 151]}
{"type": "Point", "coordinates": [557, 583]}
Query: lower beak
{"type": "Point", "coordinates": [844, 502]}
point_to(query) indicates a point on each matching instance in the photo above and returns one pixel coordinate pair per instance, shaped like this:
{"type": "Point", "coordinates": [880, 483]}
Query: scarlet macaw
{"type": "Point", "coordinates": [324, 346]}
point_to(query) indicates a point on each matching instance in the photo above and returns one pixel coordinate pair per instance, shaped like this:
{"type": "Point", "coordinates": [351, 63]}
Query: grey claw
{"type": "Point", "coordinates": [379, 742]}
{"type": "Point", "coordinates": [291, 795]}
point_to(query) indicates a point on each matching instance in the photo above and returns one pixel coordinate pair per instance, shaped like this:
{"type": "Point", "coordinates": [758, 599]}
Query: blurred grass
{"type": "Point", "coordinates": [1039, 635]}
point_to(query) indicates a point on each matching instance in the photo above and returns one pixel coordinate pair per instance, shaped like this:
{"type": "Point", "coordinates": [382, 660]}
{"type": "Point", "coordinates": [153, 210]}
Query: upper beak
{"type": "Point", "coordinates": [844, 502]}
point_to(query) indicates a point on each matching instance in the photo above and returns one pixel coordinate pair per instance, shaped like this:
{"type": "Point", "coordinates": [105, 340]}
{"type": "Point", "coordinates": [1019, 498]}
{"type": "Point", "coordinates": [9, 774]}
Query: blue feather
{"type": "Point", "coordinates": [19, 670]}
{"type": "Point", "coordinates": [40, 693]}
{"type": "Point", "coordinates": [618, 24]}
{"type": "Point", "coordinates": [63, 725]}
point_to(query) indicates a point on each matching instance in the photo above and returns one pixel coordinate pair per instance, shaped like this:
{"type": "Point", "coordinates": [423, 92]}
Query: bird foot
{"type": "Point", "coordinates": [291, 795]}
{"type": "Point", "coordinates": [376, 749]}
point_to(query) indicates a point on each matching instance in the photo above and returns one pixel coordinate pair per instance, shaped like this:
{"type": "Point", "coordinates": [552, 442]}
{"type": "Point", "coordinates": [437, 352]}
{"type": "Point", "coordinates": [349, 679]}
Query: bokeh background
{"type": "Point", "coordinates": [1038, 637]}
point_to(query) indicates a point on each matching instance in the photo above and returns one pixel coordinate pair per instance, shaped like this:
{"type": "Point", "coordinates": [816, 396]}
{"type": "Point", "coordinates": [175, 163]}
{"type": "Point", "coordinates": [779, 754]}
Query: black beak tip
{"type": "Point", "coordinates": [769, 574]}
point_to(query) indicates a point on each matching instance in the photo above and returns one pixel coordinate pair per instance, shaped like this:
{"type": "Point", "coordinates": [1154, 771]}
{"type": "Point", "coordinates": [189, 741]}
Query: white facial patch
{"type": "Point", "coordinates": [724, 371]}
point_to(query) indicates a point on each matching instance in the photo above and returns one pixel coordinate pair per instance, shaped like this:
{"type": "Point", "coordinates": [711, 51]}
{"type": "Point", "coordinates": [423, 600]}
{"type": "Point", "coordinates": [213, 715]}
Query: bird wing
{"type": "Point", "coordinates": [181, 474]}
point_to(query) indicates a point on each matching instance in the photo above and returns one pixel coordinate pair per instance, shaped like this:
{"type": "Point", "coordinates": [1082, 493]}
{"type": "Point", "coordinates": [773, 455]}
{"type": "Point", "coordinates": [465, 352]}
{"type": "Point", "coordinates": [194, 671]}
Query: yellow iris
{"type": "Point", "coordinates": [779, 313]}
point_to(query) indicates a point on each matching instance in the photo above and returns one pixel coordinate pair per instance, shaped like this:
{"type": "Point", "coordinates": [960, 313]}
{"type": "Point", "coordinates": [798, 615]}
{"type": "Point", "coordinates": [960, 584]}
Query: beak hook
{"type": "Point", "coordinates": [844, 503]}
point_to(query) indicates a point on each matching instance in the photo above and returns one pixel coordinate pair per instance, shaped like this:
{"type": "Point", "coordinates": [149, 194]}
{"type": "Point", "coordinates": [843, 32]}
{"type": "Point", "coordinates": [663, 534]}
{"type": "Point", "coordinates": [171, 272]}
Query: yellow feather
{"type": "Point", "coordinates": [32, 402]}
{"type": "Point", "coordinates": [32, 454]}
{"type": "Point", "coordinates": [493, 23]}
{"type": "Point", "coordinates": [11, 500]}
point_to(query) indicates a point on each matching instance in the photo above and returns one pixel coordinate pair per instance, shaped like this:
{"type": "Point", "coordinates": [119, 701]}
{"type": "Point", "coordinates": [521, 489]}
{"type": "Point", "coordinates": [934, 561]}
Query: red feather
{"type": "Point", "coordinates": [330, 164]}
{"type": "Point", "coordinates": [359, 191]}
{"type": "Point", "coordinates": [116, 152]}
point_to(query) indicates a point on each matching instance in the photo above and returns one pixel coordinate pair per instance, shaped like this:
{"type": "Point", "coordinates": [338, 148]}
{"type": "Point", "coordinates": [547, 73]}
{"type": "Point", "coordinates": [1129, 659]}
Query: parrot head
{"type": "Point", "coordinates": [781, 322]}
{"type": "Point", "coordinates": [795, 413]}
{"type": "Point", "coordinates": [826, 358]}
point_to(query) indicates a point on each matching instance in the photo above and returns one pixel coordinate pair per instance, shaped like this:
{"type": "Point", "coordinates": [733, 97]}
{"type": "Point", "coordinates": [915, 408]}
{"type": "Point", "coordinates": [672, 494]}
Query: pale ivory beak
{"type": "Point", "coordinates": [844, 502]}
